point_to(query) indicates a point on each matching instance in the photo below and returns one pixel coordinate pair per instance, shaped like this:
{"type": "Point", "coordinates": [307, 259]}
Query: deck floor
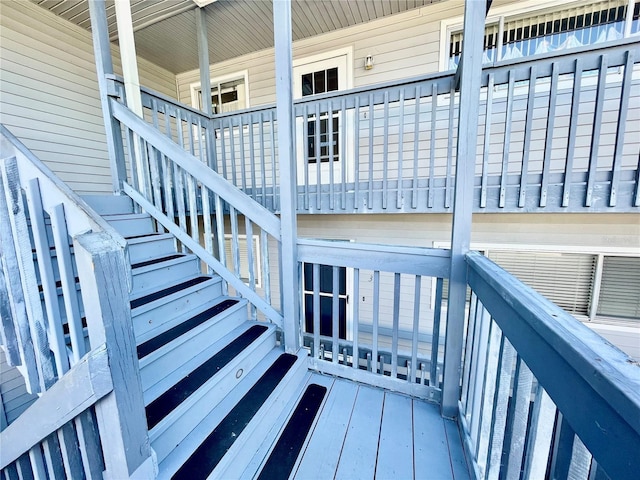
{"type": "Point", "coordinates": [362, 432]}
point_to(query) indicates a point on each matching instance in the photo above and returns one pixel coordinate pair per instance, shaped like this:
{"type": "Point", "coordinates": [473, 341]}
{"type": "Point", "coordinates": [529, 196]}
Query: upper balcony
{"type": "Point", "coordinates": [557, 133]}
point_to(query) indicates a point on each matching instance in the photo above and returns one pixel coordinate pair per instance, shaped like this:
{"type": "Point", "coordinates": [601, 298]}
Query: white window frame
{"type": "Point", "coordinates": [195, 87]}
{"type": "Point", "coordinates": [600, 253]}
{"type": "Point", "coordinates": [497, 15]}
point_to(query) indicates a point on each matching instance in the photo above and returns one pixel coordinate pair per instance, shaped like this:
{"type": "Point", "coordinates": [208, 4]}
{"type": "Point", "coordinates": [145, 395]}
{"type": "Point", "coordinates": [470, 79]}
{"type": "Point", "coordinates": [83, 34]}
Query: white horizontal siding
{"type": "Point", "coordinates": [49, 93]}
{"type": "Point", "coordinates": [13, 392]}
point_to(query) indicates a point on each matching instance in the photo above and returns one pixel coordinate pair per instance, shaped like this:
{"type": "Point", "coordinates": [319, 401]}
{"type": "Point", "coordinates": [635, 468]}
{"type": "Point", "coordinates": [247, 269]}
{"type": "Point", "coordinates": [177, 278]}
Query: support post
{"type": "Point", "coordinates": [121, 418]}
{"type": "Point", "coordinates": [203, 59]}
{"type": "Point", "coordinates": [288, 220]}
{"type": "Point", "coordinates": [470, 81]}
{"type": "Point", "coordinates": [104, 67]}
{"type": "Point", "coordinates": [128, 56]}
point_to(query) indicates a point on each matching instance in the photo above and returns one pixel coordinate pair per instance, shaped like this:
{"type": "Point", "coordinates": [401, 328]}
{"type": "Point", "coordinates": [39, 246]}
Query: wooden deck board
{"type": "Point", "coordinates": [366, 433]}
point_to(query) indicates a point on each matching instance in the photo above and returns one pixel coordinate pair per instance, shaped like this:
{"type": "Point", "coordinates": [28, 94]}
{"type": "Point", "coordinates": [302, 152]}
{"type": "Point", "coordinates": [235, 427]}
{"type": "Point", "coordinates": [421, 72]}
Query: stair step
{"type": "Point", "coordinates": [151, 311]}
{"type": "Point", "coordinates": [145, 247]}
{"type": "Point", "coordinates": [170, 335]}
{"type": "Point", "coordinates": [152, 274]}
{"type": "Point", "coordinates": [241, 400]}
{"type": "Point", "coordinates": [168, 401]}
{"type": "Point", "coordinates": [207, 456]}
{"type": "Point", "coordinates": [284, 455]}
{"type": "Point", "coordinates": [177, 427]}
{"type": "Point", "coordinates": [109, 204]}
{"type": "Point", "coordinates": [131, 224]}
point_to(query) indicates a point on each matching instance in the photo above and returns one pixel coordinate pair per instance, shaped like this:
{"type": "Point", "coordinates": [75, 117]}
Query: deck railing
{"type": "Point", "coordinates": [367, 313]}
{"type": "Point", "coordinates": [543, 396]}
{"type": "Point", "coordinates": [557, 132]}
{"type": "Point", "coordinates": [66, 326]}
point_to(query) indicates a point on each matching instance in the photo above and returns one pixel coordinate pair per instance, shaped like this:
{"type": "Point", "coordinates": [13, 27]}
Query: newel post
{"type": "Point", "coordinates": [290, 283]}
{"type": "Point", "coordinates": [470, 80]}
{"type": "Point", "coordinates": [121, 416]}
{"type": "Point", "coordinates": [104, 67]}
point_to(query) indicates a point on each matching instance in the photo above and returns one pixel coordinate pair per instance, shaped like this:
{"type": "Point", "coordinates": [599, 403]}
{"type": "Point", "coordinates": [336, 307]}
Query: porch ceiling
{"type": "Point", "coordinates": [166, 34]}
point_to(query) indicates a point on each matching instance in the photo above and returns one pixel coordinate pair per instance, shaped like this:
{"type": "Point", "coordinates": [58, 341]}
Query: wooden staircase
{"type": "Point", "coordinates": [218, 389]}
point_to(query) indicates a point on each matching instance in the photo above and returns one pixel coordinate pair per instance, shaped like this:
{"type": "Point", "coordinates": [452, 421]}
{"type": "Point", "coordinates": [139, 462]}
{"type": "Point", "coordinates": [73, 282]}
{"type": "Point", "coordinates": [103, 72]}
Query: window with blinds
{"type": "Point", "coordinates": [566, 279]}
{"type": "Point", "coordinates": [555, 29]}
{"type": "Point", "coordinates": [620, 288]}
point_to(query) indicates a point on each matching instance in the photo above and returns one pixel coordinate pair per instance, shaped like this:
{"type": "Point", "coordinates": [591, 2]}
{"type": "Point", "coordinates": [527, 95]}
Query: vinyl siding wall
{"type": "Point", "coordinates": [49, 93]}
{"type": "Point", "coordinates": [13, 393]}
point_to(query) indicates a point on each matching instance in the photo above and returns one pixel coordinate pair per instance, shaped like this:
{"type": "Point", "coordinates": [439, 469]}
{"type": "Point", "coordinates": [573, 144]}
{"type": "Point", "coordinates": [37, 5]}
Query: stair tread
{"type": "Point", "coordinates": [168, 401]}
{"type": "Point", "coordinates": [138, 302]}
{"type": "Point", "coordinates": [287, 449]}
{"type": "Point", "coordinates": [168, 336]}
{"type": "Point", "coordinates": [149, 236]}
{"type": "Point", "coordinates": [154, 261]}
{"type": "Point", "coordinates": [205, 458]}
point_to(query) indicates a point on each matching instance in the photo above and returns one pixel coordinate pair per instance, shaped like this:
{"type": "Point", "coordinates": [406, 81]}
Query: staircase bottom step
{"type": "Point", "coordinates": [207, 456]}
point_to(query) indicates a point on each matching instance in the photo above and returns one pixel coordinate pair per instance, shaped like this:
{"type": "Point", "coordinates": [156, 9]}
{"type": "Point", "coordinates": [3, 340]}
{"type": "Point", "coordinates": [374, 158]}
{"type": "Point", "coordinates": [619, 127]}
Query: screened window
{"type": "Point", "coordinates": [620, 289]}
{"type": "Point", "coordinates": [556, 29]}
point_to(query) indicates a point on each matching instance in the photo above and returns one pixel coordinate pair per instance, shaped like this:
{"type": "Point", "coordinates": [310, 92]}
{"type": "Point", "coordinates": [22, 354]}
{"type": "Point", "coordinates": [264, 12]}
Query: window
{"type": "Point", "coordinates": [620, 288]}
{"type": "Point", "coordinates": [243, 249]}
{"type": "Point", "coordinates": [314, 83]}
{"type": "Point", "coordinates": [520, 35]}
{"type": "Point", "coordinates": [325, 292]}
{"type": "Point", "coordinates": [228, 93]}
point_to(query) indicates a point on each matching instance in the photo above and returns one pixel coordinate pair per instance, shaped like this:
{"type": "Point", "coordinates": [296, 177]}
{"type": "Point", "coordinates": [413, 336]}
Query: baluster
{"type": "Point", "coordinates": [356, 139]}
{"type": "Point", "coordinates": [520, 416]}
{"type": "Point", "coordinates": [595, 132]}
{"type": "Point", "coordinates": [305, 148]}
{"type": "Point", "coordinates": [70, 451]}
{"type": "Point", "coordinates": [356, 318]}
{"type": "Point", "coordinates": [500, 404]}
{"type": "Point", "coordinates": [479, 359]}
{"type": "Point", "coordinates": [235, 250]}
{"type": "Point", "coordinates": [252, 160]}
{"type": "Point", "coordinates": [396, 325]}
{"type": "Point", "coordinates": [400, 149]}
{"type": "Point", "coordinates": [266, 272]}
{"type": "Point", "coordinates": [206, 205]}
{"type": "Point", "coordinates": [504, 173]}
{"type": "Point", "coordinates": [36, 459]}
{"type": "Point", "coordinates": [573, 127]}
{"type": "Point", "coordinates": [416, 150]}
{"type": "Point", "coordinates": [331, 156]}
{"type": "Point", "coordinates": [470, 346]}
{"type": "Point", "coordinates": [68, 282]}
{"type": "Point", "coordinates": [232, 144]}
{"type": "Point", "coordinates": [248, 225]}
{"type": "Point", "coordinates": [448, 179]}
{"type": "Point", "coordinates": [223, 146]}
{"type": "Point", "coordinates": [335, 313]}
{"type": "Point", "coordinates": [376, 315]}
{"type": "Point", "coordinates": [542, 422]}
{"type": "Point", "coordinates": [487, 142]}
{"type": "Point", "coordinates": [416, 321]}
{"type": "Point", "coordinates": [371, 119]}
{"type": "Point", "coordinates": [385, 150]}
{"type": "Point", "coordinates": [551, 116]}
{"type": "Point", "coordinates": [168, 174]}
{"type": "Point", "coordinates": [432, 144]}
{"type": "Point", "coordinates": [435, 337]}
{"type": "Point", "coordinates": [318, 138]}
{"type": "Point", "coordinates": [528, 127]}
{"type": "Point", "coordinates": [243, 165]}
{"type": "Point", "coordinates": [276, 203]}
{"type": "Point", "coordinates": [53, 457]}
{"type": "Point", "coordinates": [193, 206]}
{"type": "Point", "coordinates": [222, 255]}
{"type": "Point", "coordinates": [154, 160]}
{"type": "Point", "coordinates": [263, 159]}
{"type": "Point", "coordinates": [622, 120]}
{"type": "Point", "coordinates": [89, 441]}
{"type": "Point", "coordinates": [316, 308]}
{"type": "Point", "coordinates": [342, 150]}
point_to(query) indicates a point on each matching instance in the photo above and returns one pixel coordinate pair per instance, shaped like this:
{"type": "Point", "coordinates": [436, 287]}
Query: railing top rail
{"type": "Point", "coordinates": [11, 146]}
{"type": "Point", "coordinates": [433, 262]}
{"type": "Point", "coordinates": [574, 364]}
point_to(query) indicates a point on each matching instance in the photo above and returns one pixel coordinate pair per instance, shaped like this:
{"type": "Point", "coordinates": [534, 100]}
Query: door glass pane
{"type": "Point", "coordinates": [332, 79]}
{"type": "Point", "coordinates": [319, 82]}
{"type": "Point", "coordinates": [307, 84]}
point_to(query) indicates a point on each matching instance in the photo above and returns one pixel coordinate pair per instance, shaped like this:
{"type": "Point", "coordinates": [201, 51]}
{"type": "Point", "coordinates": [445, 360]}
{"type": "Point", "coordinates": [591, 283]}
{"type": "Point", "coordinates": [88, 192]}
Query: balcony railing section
{"type": "Point", "coordinates": [64, 305]}
{"type": "Point", "coordinates": [542, 395]}
{"type": "Point", "coordinates": [367, 313]}
{"type": "Point", "coordinates": [557, 132]}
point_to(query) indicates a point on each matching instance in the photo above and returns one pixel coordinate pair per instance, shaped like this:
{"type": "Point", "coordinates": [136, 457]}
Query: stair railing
{"type": "Point", "coordinates": [373, 313]}
{"type": "Point", "coordinates": [66, 326]}
{"type": "Point", "coordinates": [189, 199]}
{"type": "Point", "coordinates": [543, 396]}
